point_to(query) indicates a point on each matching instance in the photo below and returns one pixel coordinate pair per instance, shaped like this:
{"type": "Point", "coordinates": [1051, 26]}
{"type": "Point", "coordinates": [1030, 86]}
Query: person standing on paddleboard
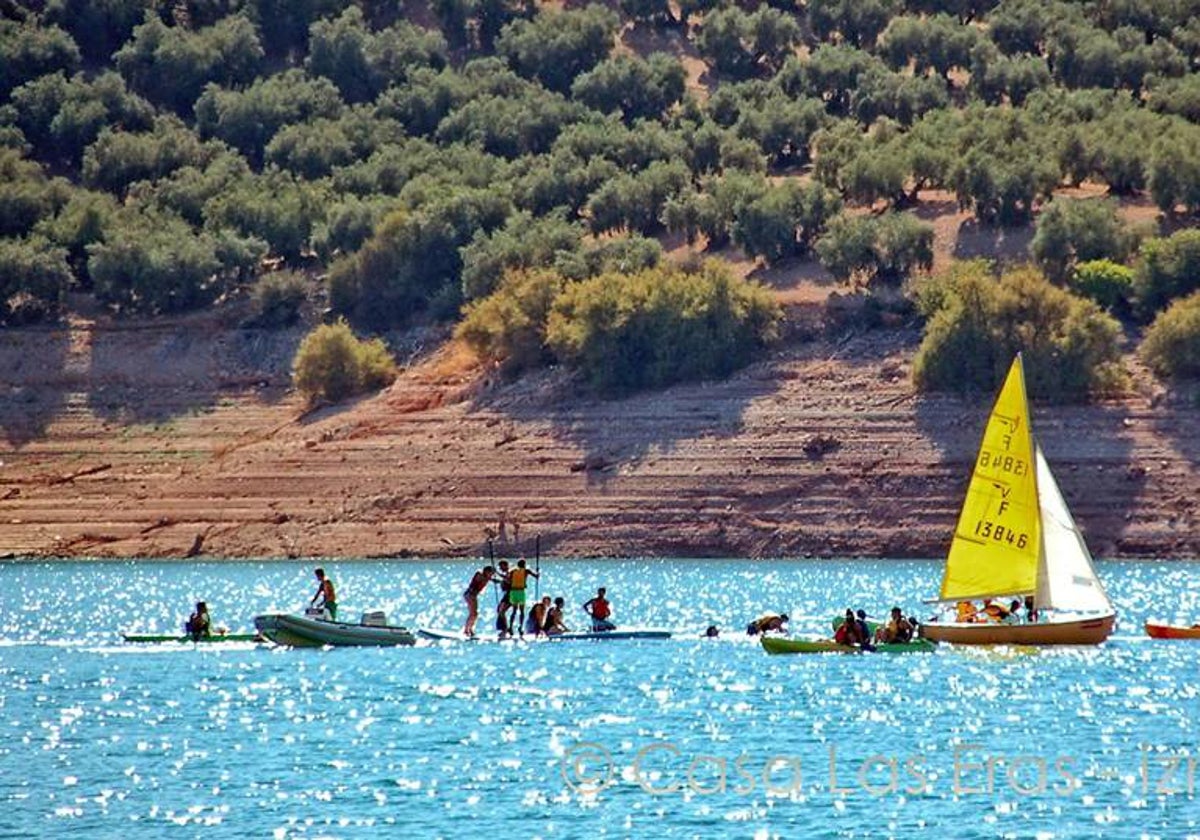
{"type": "Point", "coordinates": [479, 582]}
{"type": "Point", "coordinates": [518, 579]}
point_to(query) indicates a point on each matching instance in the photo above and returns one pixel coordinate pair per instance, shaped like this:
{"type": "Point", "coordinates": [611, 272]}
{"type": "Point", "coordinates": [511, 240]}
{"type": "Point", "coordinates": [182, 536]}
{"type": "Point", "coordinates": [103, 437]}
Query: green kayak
{"type": "Point", "coordinates": [779, 644]}
{"type": "Point", "coordinates": [175, 637]}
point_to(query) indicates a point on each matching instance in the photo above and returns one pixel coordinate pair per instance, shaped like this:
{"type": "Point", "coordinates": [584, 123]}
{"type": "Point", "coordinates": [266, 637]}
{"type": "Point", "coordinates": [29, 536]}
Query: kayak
{"type": "Point", "coordinates": [598, 636]}
{"type": "Point", "coordinates": [1171, 631]}
{"type": "Point", "coordinates": [780, 644]}
{"type": "Point", "coordinates": [311, 631]}
{"type": "Point", "coordinates": [203, 640]}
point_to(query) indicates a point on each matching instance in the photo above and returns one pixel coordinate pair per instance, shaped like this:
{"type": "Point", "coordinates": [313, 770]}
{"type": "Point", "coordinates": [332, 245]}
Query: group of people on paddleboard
{"type": "Point", "coordinates": [545, 617]}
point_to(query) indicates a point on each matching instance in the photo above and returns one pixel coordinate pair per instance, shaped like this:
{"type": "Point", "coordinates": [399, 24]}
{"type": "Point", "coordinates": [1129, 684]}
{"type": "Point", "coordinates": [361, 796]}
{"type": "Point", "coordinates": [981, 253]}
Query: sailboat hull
{"type": "Point", "coordinates": [1089, 631]}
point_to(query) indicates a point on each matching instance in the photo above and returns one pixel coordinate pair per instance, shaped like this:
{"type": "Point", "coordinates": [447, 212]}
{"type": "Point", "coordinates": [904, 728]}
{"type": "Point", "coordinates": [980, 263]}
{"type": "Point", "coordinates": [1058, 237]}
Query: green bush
{"type": "Point", "coordinates": [276, 299]}
{"type": "Point", "coordinates": [1108, 283]}
{"type": "Point", "coordinates": [977, 323]}
{"type": "Point", "coordinates": [332, 364]}
{"type": "Point", "coordinates": [876, 249]}
{"type": "Point", "coordinates": [1166, 269]}
{"type": "Point", "coordinates": [1172, 344]}
{"type": "Point", "coordinates": [508, 327]}
{"type": "Point", "coordinates": [34, 276]}
{"type": "Point", "coordinates": [662, 325]}
{"type": "Point", "coordinates": [1077, 230]}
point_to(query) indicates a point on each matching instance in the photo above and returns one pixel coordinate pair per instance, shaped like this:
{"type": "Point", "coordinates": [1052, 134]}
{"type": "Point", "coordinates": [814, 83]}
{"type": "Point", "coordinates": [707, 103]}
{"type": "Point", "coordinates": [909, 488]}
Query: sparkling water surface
{"type": "Point", "coordinates": [687, 737]}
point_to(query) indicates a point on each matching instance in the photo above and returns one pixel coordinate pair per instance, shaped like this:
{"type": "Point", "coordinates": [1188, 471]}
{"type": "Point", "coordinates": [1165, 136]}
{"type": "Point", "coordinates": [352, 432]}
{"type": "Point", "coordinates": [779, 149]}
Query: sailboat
{"type": "Point", "coordinates": [1015, 538]}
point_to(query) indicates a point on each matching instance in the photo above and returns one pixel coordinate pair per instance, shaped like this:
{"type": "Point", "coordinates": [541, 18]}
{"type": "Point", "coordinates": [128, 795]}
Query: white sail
{"type": "Point", "coordinates": [1066, 578]}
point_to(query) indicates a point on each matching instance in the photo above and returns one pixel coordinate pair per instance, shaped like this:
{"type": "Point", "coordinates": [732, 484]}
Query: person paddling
{"type": "Point", "coordinates": [479, 582]}
{"type": "Point", "coordinates": [600, 610]}
{"type": "Point", "coordinates": [326, 594]}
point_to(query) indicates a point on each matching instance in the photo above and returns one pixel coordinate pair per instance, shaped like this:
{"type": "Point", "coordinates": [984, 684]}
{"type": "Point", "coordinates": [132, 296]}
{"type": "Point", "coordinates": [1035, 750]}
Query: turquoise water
{"type": "Point", "coordinates": [681, 738]}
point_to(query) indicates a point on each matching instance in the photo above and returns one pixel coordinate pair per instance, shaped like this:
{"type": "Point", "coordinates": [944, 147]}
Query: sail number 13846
{"type": "Point", "coordinates": [1000, 534]}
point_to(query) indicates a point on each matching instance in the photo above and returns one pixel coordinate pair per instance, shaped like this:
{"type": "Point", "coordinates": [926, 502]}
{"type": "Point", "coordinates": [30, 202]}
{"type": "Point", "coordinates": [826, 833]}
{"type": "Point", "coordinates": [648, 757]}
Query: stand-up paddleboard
{"type": "Point", "coordinates": [599, 636]}
{"type": "Point", "coordinates": [176, 637]}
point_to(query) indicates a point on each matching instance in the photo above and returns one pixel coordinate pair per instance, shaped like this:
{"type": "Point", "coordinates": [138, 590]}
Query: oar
{"type": "Point", "coordinates": [537, 568]}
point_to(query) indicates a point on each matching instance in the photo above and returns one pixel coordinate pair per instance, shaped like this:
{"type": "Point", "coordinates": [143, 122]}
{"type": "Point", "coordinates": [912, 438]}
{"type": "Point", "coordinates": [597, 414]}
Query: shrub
{"type": "Point", "coordinates": [34, 276]}
{"type": "Point", "coordinates": [1108, 283]}
{"type": "Point", "coordinates": [276, 299]}
{"type": "Point", "coordinates": [659, 326]}
{"type": "Point", "coordinates": [332, 364]}
{"type": "Point", "coordinates": [1172, 344]}
{"type": "Point", "coordinates": [508, 328]}
{"type": "Point", "coordinates": [977, 324]}
{"type": "Point", "coordinates": [1166, 269]}
{"type": "Point", "coordinates": [1077, 230]}
{"type": "Point", "coordinates": [876, 249]}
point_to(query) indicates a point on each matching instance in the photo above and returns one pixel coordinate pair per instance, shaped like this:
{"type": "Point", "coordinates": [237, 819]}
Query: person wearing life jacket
{"type": "Point", "coordinates": [518, 580]}
{"type": "Point", "coordinates": [479, 582]}
{"type": "Point", "coordinates": [993, 612]}
{"type": "Point", "coordinates": [769, 623]}
{"type": "Point", "coordinates": [600, 611]}
{"type": "Point", "coordinates": [325, 594]}
{"type": "Point", "coordinates": [897, 629]}
{"type": "Point", "coordinates": [965, 612]}
{"type": "Point", "coordinates": [847, 631]}
{"type": "Point", "coordinates": [199, 625]}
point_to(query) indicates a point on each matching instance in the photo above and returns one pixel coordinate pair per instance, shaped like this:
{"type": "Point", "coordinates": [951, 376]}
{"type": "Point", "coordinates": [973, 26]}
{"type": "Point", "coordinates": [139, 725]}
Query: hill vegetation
{"type": "Point", "coordinates": [519, 162]}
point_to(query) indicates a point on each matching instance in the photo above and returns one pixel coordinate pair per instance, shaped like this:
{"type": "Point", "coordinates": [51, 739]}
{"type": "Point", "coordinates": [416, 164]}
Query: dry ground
{"type": "Point", "coordinates": [182, 438]}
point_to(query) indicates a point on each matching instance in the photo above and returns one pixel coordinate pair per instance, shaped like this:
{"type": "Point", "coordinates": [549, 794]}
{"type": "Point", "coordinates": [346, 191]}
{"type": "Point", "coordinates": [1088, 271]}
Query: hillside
{"type": "Point", "coordinates": [180, 437]}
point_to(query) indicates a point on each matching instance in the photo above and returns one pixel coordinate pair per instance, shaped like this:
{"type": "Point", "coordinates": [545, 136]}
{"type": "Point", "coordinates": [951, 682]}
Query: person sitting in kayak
{"type": "Point", "coordinates": [199, 625]}
{"type": "Point", "coordinates": [600, 611]}
{"type": "Point", "coordinates": [712, 632]}
{"type": "Point", "coordinates": [554, 619]}
{"type": "Point", "coordinates": [518, 579]}
{"type": "Point", "coordinates": [848, 632]}
{"type": "Point", "coordinates": [897, 629]}
{"type": "Point", "coordinates": [325, 594]}
{"type": "Point", "coordinates": [479, 582]}
{"type": "Point", "coordinates": [769, 623]}
{"type": "Point", "coordinates": [539, 616]}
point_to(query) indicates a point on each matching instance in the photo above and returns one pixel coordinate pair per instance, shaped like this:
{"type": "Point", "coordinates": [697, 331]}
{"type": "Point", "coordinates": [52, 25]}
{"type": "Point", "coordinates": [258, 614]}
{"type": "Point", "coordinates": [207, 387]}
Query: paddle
{"type": "Point", "coordinates": [492, 563]}
{"type": "Point", "coordinates": [537, 568]}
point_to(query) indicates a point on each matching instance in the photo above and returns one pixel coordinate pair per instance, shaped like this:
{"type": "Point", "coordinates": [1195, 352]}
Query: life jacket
{"type": "Point", "coordinates": [965, 611]}
{"type": "Point", "coordinates": [600, 608]}
{"type": "Point", "coordinates": [518, 578]}
{"type": "Point", "coordinates": [842, 635]}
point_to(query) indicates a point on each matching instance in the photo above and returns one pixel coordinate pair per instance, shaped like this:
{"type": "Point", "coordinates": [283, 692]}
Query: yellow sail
{"type": "Point", "coordinates": [998, 538]}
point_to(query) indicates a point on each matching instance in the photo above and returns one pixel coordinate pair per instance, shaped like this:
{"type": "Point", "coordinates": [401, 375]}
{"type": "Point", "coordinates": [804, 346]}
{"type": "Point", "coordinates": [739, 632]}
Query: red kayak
{"type": "Point", "coordinates": [1170, 631]}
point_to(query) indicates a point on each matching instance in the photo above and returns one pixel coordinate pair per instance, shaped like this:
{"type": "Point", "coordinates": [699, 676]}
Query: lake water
{"type": "Point", "coordinates": [675, 738]}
